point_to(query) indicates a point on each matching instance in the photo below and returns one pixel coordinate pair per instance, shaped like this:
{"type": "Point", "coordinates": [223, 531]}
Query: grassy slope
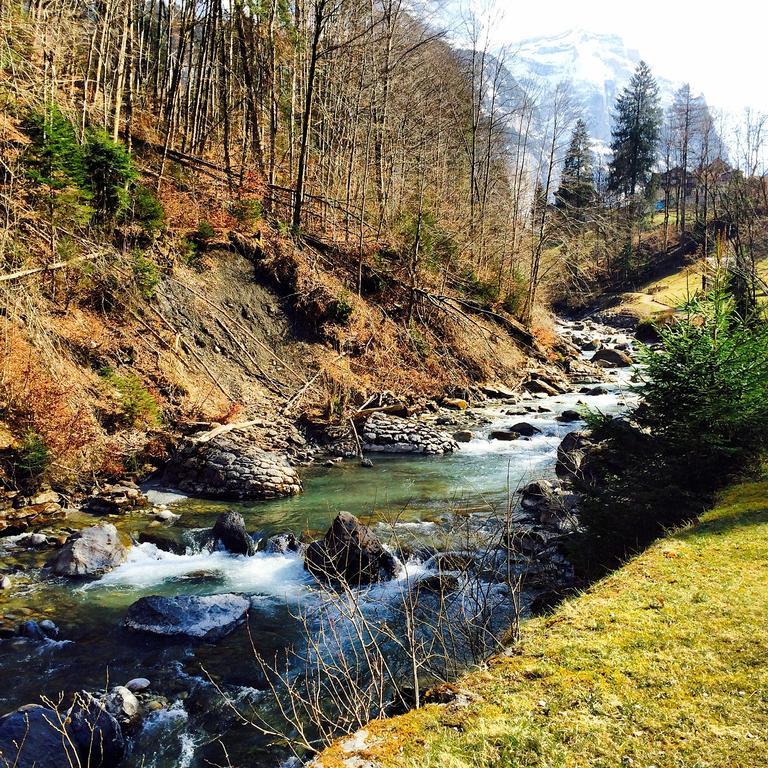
{"type": "Point", "coordinates": [662, 295]}
{"type": "Point", "coordinates": [665, 294]}
{"type": "Point", "coordinates": [663, 663]}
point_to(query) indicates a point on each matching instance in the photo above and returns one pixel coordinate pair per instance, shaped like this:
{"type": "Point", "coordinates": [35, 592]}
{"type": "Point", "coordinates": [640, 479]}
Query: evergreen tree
{"type": "Point", "coordinates": [577, 184]}
{"type": "Point", "coordinates": [538, 203]}
{"type": "Point", "coordinates": [109, 170]}
{"type": "Point", "coordinates": [55, 161]}
{"type": "Point", "coordinates": [55, 155]}
{"type": "Point", "coordinates": [636, 133]}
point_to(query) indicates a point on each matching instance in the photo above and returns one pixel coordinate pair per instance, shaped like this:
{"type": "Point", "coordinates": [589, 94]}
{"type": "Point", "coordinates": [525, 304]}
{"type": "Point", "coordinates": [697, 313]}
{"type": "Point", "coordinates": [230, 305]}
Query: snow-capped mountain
{"type": "Point", "coordinates": [597, 65]}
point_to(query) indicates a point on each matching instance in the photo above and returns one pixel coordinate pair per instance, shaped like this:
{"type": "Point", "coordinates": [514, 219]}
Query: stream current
{"type": "Point", "coordinates": [411, 496]}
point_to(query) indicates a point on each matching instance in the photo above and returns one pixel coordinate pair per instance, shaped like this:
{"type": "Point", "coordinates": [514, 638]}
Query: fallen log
{"type": "Point", "coordinates": [393, 410]}
{"type": "Point", "coordinates": [224, 428]}
{"type": "Point", "coordinates": [22, 273]}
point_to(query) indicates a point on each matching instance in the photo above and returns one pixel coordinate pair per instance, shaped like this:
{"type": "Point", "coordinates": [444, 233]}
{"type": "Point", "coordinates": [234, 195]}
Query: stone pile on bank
{"type": "Point", "coordinates": [115, 499]}
{"type": "Point", "coordinates": [230, 465]}
{"type": "Point", "coordinates": [19, 513]}
{"type": "Point", "coordinates": [384, 433]}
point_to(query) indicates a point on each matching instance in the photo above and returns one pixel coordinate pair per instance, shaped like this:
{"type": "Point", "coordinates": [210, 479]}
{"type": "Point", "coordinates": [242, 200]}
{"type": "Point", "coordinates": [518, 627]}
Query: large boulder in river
{"type": "Point", "coordinates": [592, 345]}
{"type": "Point", "coordinates": [31, 737]}
{"type": "Point", "coordinates": [611, 358]}
{"type": "Point", "coordinates": [209, 617]}
{"type": "Point", "coordinates": [571, 454]}
{"type": "Point", "coordinates": [167, 541]}
{"type": "Point", "coordinates": [229, 465]}
{"type": "Point", "coordinates": [282, 544]}
{"type": "Point", "coordinates": [495, 391]}
{"type": "Point", "coordinates": [536, 494]}
{"type": "Point", "coordinates": [538, 383]}
{"type": "Point", "coordinates": [349, 552]}
{"type": "Point", "coordinates": [90, 552]}
{"type": "Point", "coordinates": [229, 532]}
{"type": "Point", "coordinates": [385, 433]}
{"type": "Point", "coordinates": [503, 434]}
{"type": "Point", "coordinates": [436, 584]}
{"type": "Point", "coordinates": [123, 705]}
{"type": "Point", "coordinates": [593, 391]}
{"type": "Point", "coordinates": [550, 505]}
{"type": "Point", "coordinates": [586, 459]}
{"type": "Point", "coordinates": [524, 428]}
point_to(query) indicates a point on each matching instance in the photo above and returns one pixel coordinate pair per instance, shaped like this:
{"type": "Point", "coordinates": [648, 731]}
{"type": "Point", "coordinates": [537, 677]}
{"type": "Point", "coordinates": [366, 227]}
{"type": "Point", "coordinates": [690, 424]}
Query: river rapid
{"type": "Point", "coordinates": [411, 498]}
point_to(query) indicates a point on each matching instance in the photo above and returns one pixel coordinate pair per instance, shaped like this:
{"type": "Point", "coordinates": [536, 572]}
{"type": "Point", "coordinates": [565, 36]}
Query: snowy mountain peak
{"type": "Point", "coordinates": [598, 66]}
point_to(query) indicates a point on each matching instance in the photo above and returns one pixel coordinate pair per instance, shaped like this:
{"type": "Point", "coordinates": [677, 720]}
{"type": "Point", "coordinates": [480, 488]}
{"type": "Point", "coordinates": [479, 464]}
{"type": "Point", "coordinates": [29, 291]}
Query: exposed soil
{"type": "Point", "coordinates": [106, 374]}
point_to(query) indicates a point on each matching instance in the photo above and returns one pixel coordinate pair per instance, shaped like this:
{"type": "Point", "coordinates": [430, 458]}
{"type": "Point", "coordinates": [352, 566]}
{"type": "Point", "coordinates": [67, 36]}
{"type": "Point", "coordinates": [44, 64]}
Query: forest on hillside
{"type": "Point", "coordinates": [362, 122]}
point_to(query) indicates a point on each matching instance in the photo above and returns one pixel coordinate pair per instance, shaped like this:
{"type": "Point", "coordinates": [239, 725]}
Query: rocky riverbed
{"type": "Point", "coordinates": [145, 583]}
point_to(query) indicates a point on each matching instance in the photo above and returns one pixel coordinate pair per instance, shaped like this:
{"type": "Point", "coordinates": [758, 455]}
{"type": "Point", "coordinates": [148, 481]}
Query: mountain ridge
{"type": "Point", "coordinates": [598, 65]}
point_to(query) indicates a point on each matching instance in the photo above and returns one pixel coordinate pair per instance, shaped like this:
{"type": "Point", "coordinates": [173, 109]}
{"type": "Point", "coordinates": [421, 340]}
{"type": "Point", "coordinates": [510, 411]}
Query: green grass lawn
{"type": "Point", "coordinates": [663, 663]}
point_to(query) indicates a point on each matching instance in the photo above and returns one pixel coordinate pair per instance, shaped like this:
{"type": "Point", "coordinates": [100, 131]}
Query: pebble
{"type": "Point", "coordinates": [138, 685]}
{"type": "Point", "coordinates": [122, 704]}
{"type": "Point", "coordinates": [166, 516]}
{"type": "Point", "coordinates": [35, 540]}
{"type": "Point", "coordinates": [5, 582]}
{"type": "Point", "coordinates": [31, 630]}
{"type": "Point", "coordinates": [50, 629]}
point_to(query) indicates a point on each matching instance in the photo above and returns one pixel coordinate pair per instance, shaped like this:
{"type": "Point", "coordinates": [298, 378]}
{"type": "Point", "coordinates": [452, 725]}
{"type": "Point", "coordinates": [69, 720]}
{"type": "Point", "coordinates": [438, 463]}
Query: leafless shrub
{"type": "Point", "coordinates": [368, 652]}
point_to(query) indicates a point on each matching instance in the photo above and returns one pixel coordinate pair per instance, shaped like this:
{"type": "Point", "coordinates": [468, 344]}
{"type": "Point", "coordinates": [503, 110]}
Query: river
{"type": "Point", "coordinates": [415, 497]}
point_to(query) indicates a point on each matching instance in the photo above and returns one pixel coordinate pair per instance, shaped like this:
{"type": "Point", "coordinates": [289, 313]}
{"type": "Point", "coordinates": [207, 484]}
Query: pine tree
{"type": "Point", "coordinates": [577, 184]}
{"type": "Point", "coordinates": [538, 202]}
{"type": "Point", "coordinates": [636, 133]}
{"type": "Point", "coordinates": [109, 169]}
{"type": "Point", "coordinates": [55, 161]}
{"type": "Point", "coordinates": [55, 156]}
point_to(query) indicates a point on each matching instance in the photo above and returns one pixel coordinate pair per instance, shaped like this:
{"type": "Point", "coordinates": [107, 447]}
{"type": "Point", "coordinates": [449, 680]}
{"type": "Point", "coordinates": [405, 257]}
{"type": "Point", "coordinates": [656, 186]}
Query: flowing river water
{"type": "Point", "coordinates": [421, 495]}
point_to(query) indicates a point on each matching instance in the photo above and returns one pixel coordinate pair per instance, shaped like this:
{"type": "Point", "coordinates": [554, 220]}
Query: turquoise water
{"type": "Point", "coordinates": [407, 497]}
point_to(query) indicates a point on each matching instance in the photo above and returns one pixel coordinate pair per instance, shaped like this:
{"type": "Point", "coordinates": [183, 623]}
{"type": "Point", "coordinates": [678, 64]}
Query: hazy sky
{"type": "Point", "coordinates": [721, 49]}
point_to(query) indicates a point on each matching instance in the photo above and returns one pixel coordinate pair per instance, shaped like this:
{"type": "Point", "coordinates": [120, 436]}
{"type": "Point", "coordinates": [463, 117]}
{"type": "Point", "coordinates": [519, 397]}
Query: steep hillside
{"type": "Point", "coordinates": [660, 663]}
{"type": "Point", "coordinates": [109, 353]}
{"type": "Point", "coordinates": [100, 379]}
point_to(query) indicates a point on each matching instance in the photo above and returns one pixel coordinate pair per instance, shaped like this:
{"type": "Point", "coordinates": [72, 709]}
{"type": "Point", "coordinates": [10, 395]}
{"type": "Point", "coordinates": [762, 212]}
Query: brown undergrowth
{"type": "Point", "coordinates": [96, 361]}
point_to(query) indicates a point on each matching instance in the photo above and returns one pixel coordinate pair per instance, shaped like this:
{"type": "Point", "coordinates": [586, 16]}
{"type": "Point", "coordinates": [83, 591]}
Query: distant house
{"type": "Point", "coordinates": [673, 179]}
{"type": "Point", "coordinates": [716, 174]}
